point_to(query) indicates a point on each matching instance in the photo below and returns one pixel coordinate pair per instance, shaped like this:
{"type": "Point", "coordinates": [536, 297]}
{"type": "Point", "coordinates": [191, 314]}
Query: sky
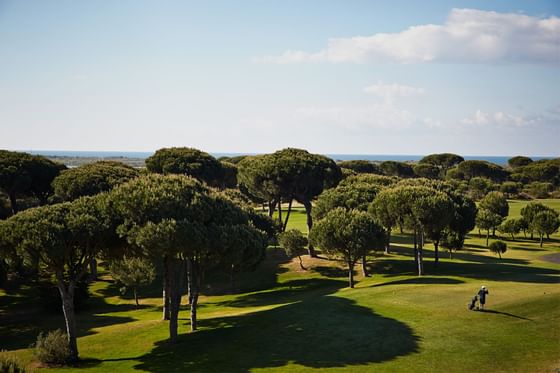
{"type": "Point", "coordinates": [347, 76]}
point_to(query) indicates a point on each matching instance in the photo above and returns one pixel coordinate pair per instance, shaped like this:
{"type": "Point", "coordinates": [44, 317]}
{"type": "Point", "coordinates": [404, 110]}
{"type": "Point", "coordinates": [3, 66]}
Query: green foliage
{"type": "Point", "coordinates": [189, 162]}
{"type": "Point", "coordinates": [539, 190]}
{"type": "Point", "coordinates": [235, 159]}
{"type": "Point", "coordinates": [349, 196]}
{"type": "Point", "coordinates": [519, 161]}
{"type": "Point", "coordinates": [498, 247]}
{"type": "Point", "coordinates": [350, 234]}
{"type": "Point", "coordinates": [360, 166]}
{"type": "Point", "coordinates": [377, 180]}
{"type": "Point", "coordinates": [496, 203]}
{"type": "Point", "coordinates": [479, 187]}
{"type": "Point", "coordinates": [52, 348]}
{"type": "Point", "coordinates": [228, 178]}
{"type": "Point", "coordinates": [452, 241]}
{"type": "Point", "coordinates": [394, 168]}
{"type": "Point", "coordinates": [293, 242]}
{"type": "Point", "coordinates": [23, 174]}
{"type": "Point", "coordinates": [442, 161]}
{"type": "Point", "coordinates": [545, 223]}
{"type": "Point", "coordinates": [545, 170]}
{"type": "Point", "coordinates": [474, 168]}
{"type": "Point", "coordinates": [511, 188]}
{"type": "Point", "coordinates": [426, 170]}
{"type": "Point", "coordinates": [133, 273]}
{"type": "Point", "coordinates": [91, 179]}
{"type": "Point", "coordinates": [288, 173]}
{"type": "Point", "coordinates": [511, 227]}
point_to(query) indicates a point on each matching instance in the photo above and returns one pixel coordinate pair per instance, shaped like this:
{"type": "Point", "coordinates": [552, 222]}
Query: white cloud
{"type": "Point", "coordinates": [468, 36]}
{"type": "Point", "coordinates": [390, 91]}
{"type": "Point", "coordinates": [501, 119]}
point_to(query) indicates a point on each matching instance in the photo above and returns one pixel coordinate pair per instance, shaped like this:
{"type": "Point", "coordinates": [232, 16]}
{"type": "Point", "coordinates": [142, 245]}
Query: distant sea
{"type": "Point", "coordinates": [501, 160]}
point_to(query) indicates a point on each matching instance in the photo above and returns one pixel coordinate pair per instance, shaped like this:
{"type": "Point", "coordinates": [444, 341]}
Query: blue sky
{"type": "Point", "coordinates": [394, 77]}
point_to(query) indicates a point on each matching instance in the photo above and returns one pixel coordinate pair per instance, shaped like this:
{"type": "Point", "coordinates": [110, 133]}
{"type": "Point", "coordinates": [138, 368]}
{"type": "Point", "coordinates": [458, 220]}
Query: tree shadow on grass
{"type": "Point", "coordinates": [22, 334]}
{"type": "Point", "coordinates": [291, 291]}
{"type": "Point", "coordinates": [317, 331]}
{"type": "Point", "coordinates": [495, 271]}
{"type": "Point", "coordinates": [422, 281]}
{"type": "Point", "coordinates": [331, 272]}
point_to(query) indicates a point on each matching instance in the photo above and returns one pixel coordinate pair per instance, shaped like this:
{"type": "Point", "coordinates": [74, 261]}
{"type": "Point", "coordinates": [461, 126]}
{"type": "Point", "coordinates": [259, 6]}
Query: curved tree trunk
{"type": "Point", "coordinates": [287, 216]}
{"type": "Point", "coordinates": [308, 208]}
{"type": "Point", "coordinates": [67, 295]}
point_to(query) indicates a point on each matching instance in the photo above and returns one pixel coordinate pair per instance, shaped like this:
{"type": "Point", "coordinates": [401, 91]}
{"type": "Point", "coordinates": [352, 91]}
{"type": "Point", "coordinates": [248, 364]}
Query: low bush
{"type": "Point", "coordinates": [52, 348]}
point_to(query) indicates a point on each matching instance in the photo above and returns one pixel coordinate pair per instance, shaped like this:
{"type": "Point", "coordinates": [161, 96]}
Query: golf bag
{"type": "Point", "coordinates": [472, 304]}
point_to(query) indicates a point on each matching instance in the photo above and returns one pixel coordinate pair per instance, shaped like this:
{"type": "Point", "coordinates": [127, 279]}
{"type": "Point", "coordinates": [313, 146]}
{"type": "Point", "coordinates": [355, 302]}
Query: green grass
{"type": "Point", "coordinates": [286, 319]}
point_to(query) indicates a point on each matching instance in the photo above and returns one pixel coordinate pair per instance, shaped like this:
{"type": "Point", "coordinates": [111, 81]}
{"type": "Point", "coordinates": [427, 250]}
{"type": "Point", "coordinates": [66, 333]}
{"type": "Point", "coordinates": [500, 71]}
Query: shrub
{"type": "Point", "coordinates": [10, 364]}
{"type": "Point", "coordinates": [53, 348]}
{"type": "Point", "coordinates": [498, 247]}
{"type": "Point", "coordinates": [539, 190]}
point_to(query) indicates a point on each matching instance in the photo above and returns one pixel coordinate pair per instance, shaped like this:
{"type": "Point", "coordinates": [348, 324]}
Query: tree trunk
{"type": "Point", "coordinates": [173, 295]}
{"type": "Point", "coordinates": [287, 216]}
{"type": "Point", "coordinates": [194, 279]}
{"type": "Point", "coordinates": [500, 254]}
{"type": "Point", "coordinates": [420, 254]}
{"type": "Point", "coordinates": [308, 207]}
{"type": "Point", "coordinates": [487, 236]}
{"type": "Point", "coordinates": [301, 263]}
{"type": "Point", "coordinates": [67, 295]}
{"type": "Point", "coordinates": [280, 220]}
{"type": "Point", "coordinates": [512, 237]}
{"type": "Point", "coordinates": [136, 296]}
{"type": "Point", "coordinates": [350, 274]}
{"type": "Point", "coordinates": [165, 294]}
{"type": "Point", "coordinates": [271, 207]}
{"type": "Point", "coordinates": [388, 244]}
{"type": "Point", "coordinates": [176, 288]}
{"type": "Point", "coordinates": [436, 250]}
{"type": "Point", "coordinates": [450, 254]}
{"type": "Point", "coordinates": [415, 248]}
{"type": "Point", "coordinates": [13, 202]}
{"type": "Point", "coordinates": [93, 269]}
{"type": "Point", "coordinates": [364, 266]}
{"type": "Point", "coordinates": [189, 281]}
{"type": "Point", "coordinates": [542, 235]}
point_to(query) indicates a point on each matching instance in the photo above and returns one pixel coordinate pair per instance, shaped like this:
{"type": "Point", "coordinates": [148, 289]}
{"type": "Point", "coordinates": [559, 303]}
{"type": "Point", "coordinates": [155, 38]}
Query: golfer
{"type": "Point", "coordinates": [482, 296]}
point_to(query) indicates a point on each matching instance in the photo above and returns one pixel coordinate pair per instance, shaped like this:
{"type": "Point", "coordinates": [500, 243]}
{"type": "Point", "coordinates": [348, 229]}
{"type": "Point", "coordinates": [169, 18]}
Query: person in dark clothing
{"type": "Point", "coordinates": [482, 296]}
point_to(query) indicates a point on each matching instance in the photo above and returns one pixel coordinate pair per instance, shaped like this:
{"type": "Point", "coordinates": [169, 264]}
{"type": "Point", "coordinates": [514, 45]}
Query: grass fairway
{"type": "Point", "coordinates": [286, 319]}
